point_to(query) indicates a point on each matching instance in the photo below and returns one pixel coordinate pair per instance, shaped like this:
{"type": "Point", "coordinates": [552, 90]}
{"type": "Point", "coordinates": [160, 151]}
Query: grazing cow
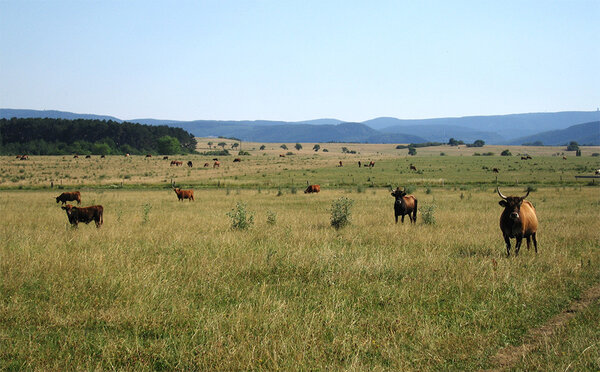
{"type": "Point", "coordinates": [88, 156]}
{"type": "Point", "coordinates": [176, 163]}
{"type": "Point", "coordinates": [75, 156]}
{"type": "Point", "coordinates": [412, 167]}
{"type": "Point", "coordinates": [597, 172]}
{"type": "Point", "coordinates": [496, 170]}
{"type": "Point", "coordinates": [529, 157]}
{"type": "Point", "coordinates": [518, 220]}
{"type": "Point", "coordinates": [206, 165]}
{"type": "Point", "coordinates": [564, 158]}
{"type": "Point", "coordinates": [18, 156]}
{"type": "Point", "coordinates": [312, 189]}
{"type": "Point", "coordinates": [24, 157]}
{"type": "Point", "coordinates": [371, 164]}
{"type": "Point", "coordinates": [404, 204]}
{"type": "Point", "coordinates": [215, 159]}
{"type": "Point", "coordinates": [359, 163]}
{"type": "Point", "coordinates": [190, 164]}
{"type": "Point", "coordinates": [184, 194]}
{"type": "Point", "coordinates": [165, 158]}
{"type": "Point", "coordinates": [69, 196]}
{"type": "Point", "coordinates": [126, 155]}
{"type": "Point", "coordinates": [281, 156]}
{"type": "Point", "coordinates": [85, 215]}
{"type": "Point", "coordinates": [148, 155]}
{"type": "Point", "coordinates": [102, 156]}
{"type": "Point", "coordinates": [216, 164]}
{"type": "Point", "coordinates": [237, 160]}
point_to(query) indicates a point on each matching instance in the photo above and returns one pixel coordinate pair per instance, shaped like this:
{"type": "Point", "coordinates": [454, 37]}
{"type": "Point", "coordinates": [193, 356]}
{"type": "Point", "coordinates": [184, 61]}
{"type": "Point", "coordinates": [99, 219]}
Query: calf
{"type": "Point", "coordinates": [404, 204]}
{"type": "Point", "coordinates": [85, 215]}
{"type": "Point", "coordinates": [184, 194]}
{"type": "Point", "coordinates": [69, 196]}
{"type": "Point", "coordinates": [518, 220]}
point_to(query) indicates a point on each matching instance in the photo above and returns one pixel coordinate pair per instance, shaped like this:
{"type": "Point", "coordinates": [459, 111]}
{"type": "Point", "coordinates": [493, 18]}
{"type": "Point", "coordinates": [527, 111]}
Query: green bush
{"type": "Point", "coordinates": [271, 217]}
{"type": "Point", "coordinates": [427, 214]}
{"type": "Point", "coordinates": [240, 218]}
{"type": "Point", "coordinates": [341, 212]}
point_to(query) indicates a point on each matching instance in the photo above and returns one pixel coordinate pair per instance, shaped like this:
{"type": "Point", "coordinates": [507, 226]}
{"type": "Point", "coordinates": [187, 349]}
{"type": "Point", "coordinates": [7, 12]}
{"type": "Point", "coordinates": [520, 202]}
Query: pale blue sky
{"type": "Point", "coordinates": [300, 60]}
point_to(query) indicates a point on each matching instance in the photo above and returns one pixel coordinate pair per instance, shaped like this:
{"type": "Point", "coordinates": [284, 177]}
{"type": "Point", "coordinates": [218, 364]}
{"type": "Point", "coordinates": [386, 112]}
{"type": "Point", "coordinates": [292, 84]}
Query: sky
{"type": "Point", "coordinates": [299, 60]}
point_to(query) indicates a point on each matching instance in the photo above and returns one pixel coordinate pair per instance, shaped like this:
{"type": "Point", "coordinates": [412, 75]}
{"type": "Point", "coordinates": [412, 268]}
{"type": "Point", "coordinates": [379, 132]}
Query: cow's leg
{"type": "Point", "coordinates": [518, 245]}
{"type": "Point", "coordinates": [507, 241]}
{"type": "Point", "coordinates": [528, 241]}
{"type": "Point", "coordinates": [396, 216]}
{"type": "Point", "coordinates": [402, 218]}
{"type": "Point", "coordinates": [534, 241]}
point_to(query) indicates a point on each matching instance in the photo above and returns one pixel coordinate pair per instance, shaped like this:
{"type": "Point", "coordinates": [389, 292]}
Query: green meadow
{"type": "Point", "coordinates": [168, 285]}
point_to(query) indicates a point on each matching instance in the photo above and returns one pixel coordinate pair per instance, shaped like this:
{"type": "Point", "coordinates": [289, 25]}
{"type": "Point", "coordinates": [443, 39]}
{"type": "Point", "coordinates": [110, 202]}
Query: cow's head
{"type": "Point", "coordinates": [512, 204]}
{"type": "Point", "coordinates": [398, 193]}
{"type": "Point", "coordinates": [68, 208]}
{"type": "Point", "coordinates": [57, 199]}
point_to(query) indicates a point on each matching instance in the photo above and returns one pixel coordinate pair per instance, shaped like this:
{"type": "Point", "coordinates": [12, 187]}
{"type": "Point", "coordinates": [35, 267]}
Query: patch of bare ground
{"type": "Point", "coordinates": [510, 355]}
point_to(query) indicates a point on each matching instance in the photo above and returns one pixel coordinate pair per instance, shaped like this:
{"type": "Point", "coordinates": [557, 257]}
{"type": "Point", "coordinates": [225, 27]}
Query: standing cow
{"type": "Point", "coordinates": [184, 194]}
{"type": "Point", "coordinates": [404, 204]}
{"type": "Point", "coordinates": [86, 215]}
{"type": "Point", "coordinates": [190, 164]}
{"type": "Point", "coordinates": [69, 196]}
{"type": "Point", "coordinates": [518, 220]}
{"type": "Point", "coordinates": [312, 189]}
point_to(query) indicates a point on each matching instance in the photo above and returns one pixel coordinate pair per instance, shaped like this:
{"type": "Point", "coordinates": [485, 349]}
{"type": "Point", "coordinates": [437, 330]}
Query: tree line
{"type": "Point", "coordinates": [45, 136]}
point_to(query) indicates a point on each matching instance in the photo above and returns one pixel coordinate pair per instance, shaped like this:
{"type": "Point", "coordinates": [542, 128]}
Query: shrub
{"type": "Point", "coordinates": [271, 217]}
{"type": "Point", "coordinates": [596, 154]}
{"type": "Point", "coordinates": [506, 153]}
{"type": "Point", "coordinates": [240, 218]}
{"type": "Point", "coordinates": [340, 212]}
{"type": "Point", "coordinates": [146, 213]}
{"type": "Point", "coordinates": [427, 214]}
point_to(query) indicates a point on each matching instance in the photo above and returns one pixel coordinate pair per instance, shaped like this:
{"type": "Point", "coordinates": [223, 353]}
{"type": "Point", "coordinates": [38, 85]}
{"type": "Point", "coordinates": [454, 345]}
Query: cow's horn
{"type": "Point", "coordinates": [526, 194]}
{"type": "Point", "coordinates": [499, 193]}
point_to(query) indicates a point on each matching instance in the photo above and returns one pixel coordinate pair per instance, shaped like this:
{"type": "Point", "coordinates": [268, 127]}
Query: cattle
{"type": "Point", "coordinates": [341, 164]}
{"type": "Point", "coordinates": [176, 163]}
{"type": "Point", "coordinates": [18, 156]}
{"type": "Point", "coordinates": [184, 194]}
{"type": "Point", "coordinates": [165, 158]}
{"type": "Point", "coordinates": [148, 155]}
{"type": "Point", "coordinates": [412, 167]}
{"type": "Point", "coordinates": [85, 214]}
{"type": "Point", "coordinates": [216, 164]}
{"type": "Point", "coordinates": [206, 165]}
{"type": "Point", "coordinates": [190, 164]}
{"type": "Point", "coordinates": [24, 157]}
{"type": "Point", "coordinates": [359, 163]}
{"type": "Point", "coordinates": [88, 156]}
{"type": "Point", "coordinates": [102, 156]}
{"type": "Point", "coordinates": [564, 158]}
{"type": "Point", "coordinates": [237, 160]}
{"type": "Point", "coordinates": [371, 164]}
{"type": "Point", "coordinates": [281, 156]}
{"type": "Point", "coordinates": [518, 220]}
{"type": "Point", "coordinates": [75, 156]}
{"type": "Point", "coordinates": [126, 155]}
{"type": "Point", "coordinates": [404, 204]}
{"type": "Point", "coordinates": [312, 189]}
{"type": "Point", "coordinates": [69, 196]}
{"type": "Point", "coordinates": [529, 157]}
{"type": "Point", "coordinates": [496, 170]}
{"type": "Point", "coordinates": [215, 159]}
{"type": "Point", "coordinates": [597, 172]}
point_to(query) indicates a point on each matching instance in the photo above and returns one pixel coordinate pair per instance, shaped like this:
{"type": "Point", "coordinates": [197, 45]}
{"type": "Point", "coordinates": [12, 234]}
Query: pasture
{"type": "Point", "coordinates": [171, 285]}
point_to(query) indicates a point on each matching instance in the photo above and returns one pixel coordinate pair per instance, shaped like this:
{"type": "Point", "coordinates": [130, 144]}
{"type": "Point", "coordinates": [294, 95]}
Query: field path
{"type": "Point", "coordinates": [508, 356]}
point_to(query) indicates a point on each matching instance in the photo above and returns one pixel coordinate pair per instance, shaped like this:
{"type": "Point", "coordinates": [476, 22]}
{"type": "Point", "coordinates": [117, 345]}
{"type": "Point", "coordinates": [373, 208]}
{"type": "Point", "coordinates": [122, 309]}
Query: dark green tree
{"type": "Point", "coordinates": [412, 151]}
{"type": "Point", "coordinates": [316, 147]}
{"type": "Point", "coordinates": [298, 146]}
{"type": "Point", "coordinates": [284, 146]}
{"type": "Point", "coordinates": [573, 146]}
{"type": "Point", "coordinates": [168, 145]}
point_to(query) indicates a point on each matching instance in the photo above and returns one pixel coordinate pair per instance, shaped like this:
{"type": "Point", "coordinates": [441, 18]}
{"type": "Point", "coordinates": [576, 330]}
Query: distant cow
{"type": "Point", "coordinates": [24, 157]}
{"type": "Point", "coordinates": [529, 157]}
{"type": "Point", "coordinates": [341, 164]}
{"type": "Point", "coordinates": [237, 160]}
{"type": "Point", "coordinates": [312, 189]}
{"type": "Point", "coordinates": [597, 172]}
{"type": "Point", "coordinates": [371, 164]}
{"type": "Point", "coordinates": [496, 170]}
{"type": "Point", "coordinates": [88, 156]}
{"type": "Point", "coordinates": [215, 159]}
{"type": "Point", "coordinates": [412, 167]}
{"type": "Point", "coordinates": [85, 215]}
{"type": "Point", "coordinates": [216, 164]}
{"type": "Point", "coordinates": [518, 220]}
{"type": "Point", "coordinates": [404, 204]}
{"type": "Point", "coordinates": [359, 163]}
{"type": "Point", "coordinates": [148, 155]}
{"type": "Point", "coordinates": [206, 165]}
{"type": "Point", "coordinates": [75, 156]}
{"type": "Point", "coordinates": [176, 163]}
{"type": "Point", "coordinates": [165, 158]}
{"type": "Point", "coordinates": [281, 156]}
{"type": "Point", "coordinates": [523, 157]}
{"type": "Point", "coordinates": [126, 155]}
{"type": "Point", "coordinates": [102, 156]}
{"type": "Point", "coordinates": [564, 158]}
{"type": "Point", "coordinates": [184, 194]}
{"type": "Point", "coordinates": [190, 164]}
{"type": "Point", "coordinates": [69, 196]}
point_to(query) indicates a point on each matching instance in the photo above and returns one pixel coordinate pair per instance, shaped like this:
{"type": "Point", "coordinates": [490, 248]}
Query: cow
{"type": "Point", "coordinates": [412, 167]}
{"type": "Point", "coordinates": [237, 160]}
{"type": "Point", "coordinates": [597, 172]}
{"type": "Point", "coordinates": [216, 164]}
{"type": "Point", "coordinates": [184, 194]}
{"type": "Point", "coordinates": [24, 157]}
{"type": "Point", "coordinates": [529, 157]}
{"type": "Point", "coordinates": [69, 196]}
{"type": "Point", "coordinates": [371, 164]}
{"type": "Point", "coordinates": [148, 155]}
{"type": "Point", "coordinates": [404, 204]}
{"type": "Point", "coordinates": [518, 220]}
{"type": "Point", "coordinates": [359, 163]}
{"type": "Point", "coordinates": [496, 170]}
{"type": "Point", "coordinates": [340, 164]}
{"type": "Point", "coordinates": [165, 158]}
{"type": "Point", "coordinates": [126, 155]}
{"type": "Point", "coordinates": [75, 156]}
{"type": "Point", "coordinates": [102, 156]}
{"type": "Point", "coordinates": [190, 164]}
{"type": "Point", "coordinates": [215, 159]}
{"type": "Point", "coordinates": [176, 163]}
{"type": "Point", "coordinates": [206, 165]}
{"type": "Point", "coordinates": [281, 156]}
{"type": "Point", "coordinates": [88, 156]}
{"type": "Point", "coordinates": [85, 215]}
{"type": "Point", "coordinates": [312, 189]}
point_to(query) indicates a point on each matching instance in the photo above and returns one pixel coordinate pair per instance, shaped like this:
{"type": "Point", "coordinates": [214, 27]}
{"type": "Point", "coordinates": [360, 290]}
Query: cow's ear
{"type": "Point", "coordinates": [503, 203]}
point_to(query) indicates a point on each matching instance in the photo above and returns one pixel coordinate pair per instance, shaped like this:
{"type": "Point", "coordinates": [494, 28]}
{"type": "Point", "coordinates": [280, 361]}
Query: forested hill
{"type": "Point", "coordinates": [48, 136]}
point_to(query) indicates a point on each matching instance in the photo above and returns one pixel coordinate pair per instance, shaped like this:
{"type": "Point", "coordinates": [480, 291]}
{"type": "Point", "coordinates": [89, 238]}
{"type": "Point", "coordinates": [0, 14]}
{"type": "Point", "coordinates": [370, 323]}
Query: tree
{"type": "Point", "coordinates": [478, 143]}
{"type": "Point", "coordinates": [298, 146]}
{"type": "Point", "coordinates": [317, 147]}
{"type": "Point", "coordinates": [344, 150]}
{"type": "Point", "coordinates": [262, 147]}
{"type": "Point", "coordinates": [573, 146]}
{"type": "Point", "coordinates": [453, 142]}
{"type": "Point", "coordinates": [284, 146]}
{"type": "Point", "coordinates": [209, 144]}
{"type": "Point", "coordinates": [222, 144]}
{"type": "Point", "coordinates": [101, 149]}
{"type": "Point", "coordinates": [412, 151]}
{"type": "Point", "coordinates": [168, 145]}
{"type": "Point", "coordinates": [506, 153]}
{"type": "Point", "coordinates": [234, 145]}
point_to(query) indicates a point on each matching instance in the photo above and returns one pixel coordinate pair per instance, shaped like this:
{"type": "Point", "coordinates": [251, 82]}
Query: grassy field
{"type": "Point", "coordinates": [171, 285]}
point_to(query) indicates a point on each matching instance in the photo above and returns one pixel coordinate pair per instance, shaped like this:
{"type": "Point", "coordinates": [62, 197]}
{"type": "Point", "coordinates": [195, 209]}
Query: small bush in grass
{"type": "Point", "coordinates": [428, 190]}
{"type": "Point", "coordinates": [279, 193]}
{"type": "Point", "coordinates": [409, 189]}
{"type": "Point", "coordinates": [271, 217]}
{"type": "Point", "coordinates": [241, 219]}
{"type": "Point", "coordinates": [427, 214]}
{"type": "Point", "coordinates": [360, 189]}
{"type": "Point", "coordinates": [145, 213]}
{"type": "Point", "coordinates": [293, 190]}
{"type": "Point", "coordinates": [340, 212]}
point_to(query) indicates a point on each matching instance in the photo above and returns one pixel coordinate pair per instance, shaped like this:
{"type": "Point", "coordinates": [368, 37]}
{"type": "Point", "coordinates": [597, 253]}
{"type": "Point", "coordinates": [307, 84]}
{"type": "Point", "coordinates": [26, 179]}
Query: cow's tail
{"type": "Point", "coordinates": [415, 212]}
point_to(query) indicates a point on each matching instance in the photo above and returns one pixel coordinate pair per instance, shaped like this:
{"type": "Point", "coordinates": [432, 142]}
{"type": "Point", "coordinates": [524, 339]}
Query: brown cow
{"type": "Point", "coordinates": [206, 165]}
{"type": "Point", "coordinates": [564, 158]}
{"type": "Point", "coordinates": [184, 194]}
{"type": "Point", "coordinates": [237, 160]}
{"type": "Point", "coordinates": [24, 157]}
{"type": "Point", "coordinates": [518, 220]}
{"type": "Point", "coordinates": [217, 164]}
{"type": "Point", "coordinates": [281, 156]}
{"type": "Point", "coordinates": [371, 164]}
{"type": "Point", "coordinates": [412, 167]}
{"type": "Point", "coordinates": [341, 164]}
{"type": "Point", "coordinates": [88, 156]}
{"type": "Point", "coordinates": [75, 156]}
{"type": "Point", "coordinates": [404, 204]}
{"type": "Point", "coordinates": [312, 189]}
{"type": "Point", "coordinates": [176, 163]}
{"type": "Point", "coordinates": [85, 215]}
{"type": "Point", "coordinates": [165, 158]}
{"type": "Point", "coordinates": [69, 196]}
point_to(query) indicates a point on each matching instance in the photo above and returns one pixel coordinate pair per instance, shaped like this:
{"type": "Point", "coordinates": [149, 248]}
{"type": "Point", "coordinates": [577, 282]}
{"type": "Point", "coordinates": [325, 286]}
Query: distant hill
{"type": "Point", "coordinates": [583, 134]}
{"type": "Point", "coordinates": [442, 133]}
{"type": "Point", "coordinates": [52, 114]}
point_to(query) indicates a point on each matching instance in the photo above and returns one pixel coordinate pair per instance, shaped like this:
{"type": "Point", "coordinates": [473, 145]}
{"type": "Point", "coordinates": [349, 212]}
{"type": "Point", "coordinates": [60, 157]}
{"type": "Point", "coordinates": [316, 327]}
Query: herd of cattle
{"type": "Point", "coordinates": [518, 219]}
